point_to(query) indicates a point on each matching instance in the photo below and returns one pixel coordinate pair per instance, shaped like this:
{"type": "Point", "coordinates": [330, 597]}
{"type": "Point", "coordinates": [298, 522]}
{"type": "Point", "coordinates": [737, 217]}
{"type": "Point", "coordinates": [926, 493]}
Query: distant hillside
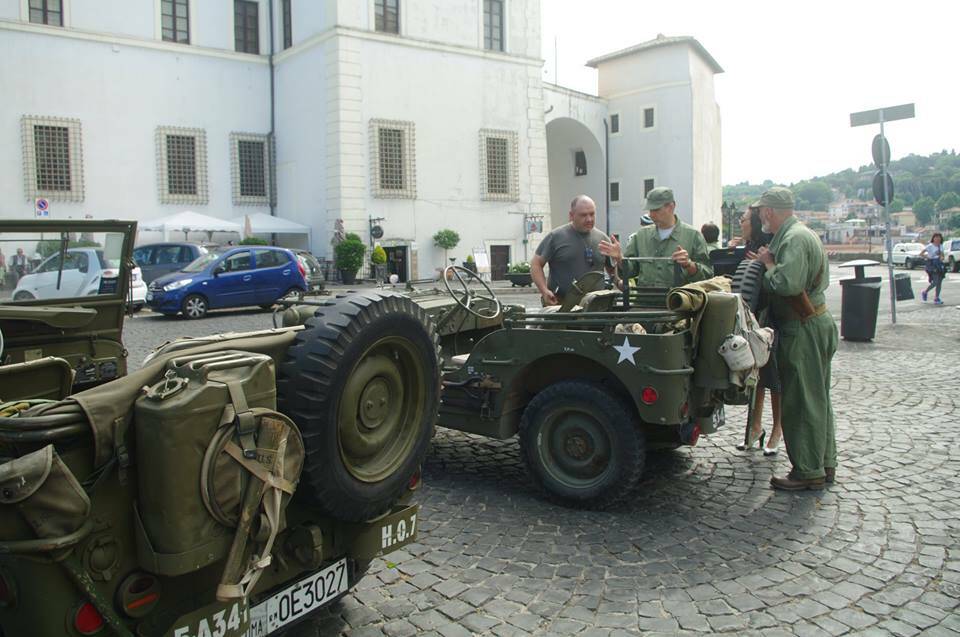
{"type": "Point", "coordinates": [924, 182]}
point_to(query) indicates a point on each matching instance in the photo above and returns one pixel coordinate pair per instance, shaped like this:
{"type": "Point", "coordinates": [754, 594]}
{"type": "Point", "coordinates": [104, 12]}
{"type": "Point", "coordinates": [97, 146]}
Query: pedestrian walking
{"type": "Point", "coordinates": [935, 267]}
{"type": "Point", "coordinates": [19, 265]}
{"type": "Point", "coordinates": [797, 274]}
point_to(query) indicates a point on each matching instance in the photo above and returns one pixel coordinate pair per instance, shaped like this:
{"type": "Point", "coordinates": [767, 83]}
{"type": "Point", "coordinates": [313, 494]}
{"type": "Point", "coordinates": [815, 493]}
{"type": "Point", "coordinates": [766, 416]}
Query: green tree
{"type": "Point", "coordinates": [953, 223]}
{"type": "Point", "coordinates": [896, 205]}
{"type": "Point", "coordinates": [923, 210]}
{"type": "Point", "coordinates": [948, 200]}
{"type": "Point", "coordinates": [817, 194]}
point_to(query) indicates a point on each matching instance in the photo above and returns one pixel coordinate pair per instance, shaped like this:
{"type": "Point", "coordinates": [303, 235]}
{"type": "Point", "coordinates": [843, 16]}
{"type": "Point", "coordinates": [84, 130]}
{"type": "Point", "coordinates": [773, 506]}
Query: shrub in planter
{"type": "Point", "coordinates": [349, 257]}
{"type": "Point", "coordinates": [519, 274]}
{"type": "Point", "coordinates": [446, 239]}
{"type": "Point", "coordinates": [254, 241]}
{"type": "Point", "coordinates": [470, 264]}
{"type": "Point", "coordinates": [378, 257]}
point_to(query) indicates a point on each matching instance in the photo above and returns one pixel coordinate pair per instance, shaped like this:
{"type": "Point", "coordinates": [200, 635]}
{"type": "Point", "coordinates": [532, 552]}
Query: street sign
{"type": "Point", "coordinates": [881, 152]}
{"type": "Point", "coordinates": [42, 208]}
{"type": "Point", "coordinates": [877, 115]}
{"type": "Point", "coordinates": [376, 232]}
{"type": "Point", "coordinates": [878, 191]}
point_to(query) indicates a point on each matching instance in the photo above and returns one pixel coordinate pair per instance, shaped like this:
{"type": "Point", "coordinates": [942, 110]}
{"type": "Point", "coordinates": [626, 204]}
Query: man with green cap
{"type": "Point", "coordinates": [668, 237]}
{"type": "Point", "coordinates": [796, 277]}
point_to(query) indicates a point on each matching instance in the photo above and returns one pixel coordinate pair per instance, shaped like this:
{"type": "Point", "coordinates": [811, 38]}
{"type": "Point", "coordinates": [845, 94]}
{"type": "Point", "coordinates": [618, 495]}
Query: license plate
{"type": "Point", "coordinates": [149, 296]}
{"type": "Point", "coordinates": [295, 601]}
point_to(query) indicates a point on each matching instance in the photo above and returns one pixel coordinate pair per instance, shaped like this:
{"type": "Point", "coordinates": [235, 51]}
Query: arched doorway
{"type": "Point", "coordinates": [576, 166]}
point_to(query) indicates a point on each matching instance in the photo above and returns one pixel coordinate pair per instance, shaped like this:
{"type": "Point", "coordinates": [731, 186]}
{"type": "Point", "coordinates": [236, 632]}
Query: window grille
{"type": "Point", "coordinates": [614, 123]}
{"type": "Point", "coordinates": [579, 163]}
{"type": "Point", "coordinates": [175, 21]}
{"type": "Point", "coordinates": [287, 24]}
{"type": "Point", "coordinates": [614, 191]}
{"type": "Point", "coordinates": [493, 25]}
{"type": "Point", "coordinates": [52, 158]}
{"type": "Point", "coordinates": [647, 187]}
{"type": "Point", "coordinates": [182, 165]}
{"type": "Point", "coordinates": [648, 118]}
{"type": "Point", "coordinates": [393, 161]}
{"type": "Point", "coordinates": [47, 12]}
{"type": "Point", "coordinates": [388, 16]}
{"type": "Point", "coordinates": [251, 159]}
{"type": "Point", "coordinates": [499, 174]}
{"type": "Point", "coordinates": [246, 26]}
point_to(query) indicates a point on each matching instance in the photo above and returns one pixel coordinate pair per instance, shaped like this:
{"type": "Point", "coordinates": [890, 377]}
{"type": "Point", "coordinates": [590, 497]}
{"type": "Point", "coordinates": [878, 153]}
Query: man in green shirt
{"type": "Point", "coordinates": [796, 277]}
{"type": "Point", "coordinates": [669, 238]}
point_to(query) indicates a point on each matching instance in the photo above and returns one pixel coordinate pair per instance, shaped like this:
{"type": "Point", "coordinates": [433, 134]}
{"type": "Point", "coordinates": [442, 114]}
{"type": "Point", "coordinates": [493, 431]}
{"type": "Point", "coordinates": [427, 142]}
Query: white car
{"type": "Point", "coordinates": [82, 274]}
{"type": "Point", "coordinates": [951, 253]}
{"type": "Point", "coordinates": [908, 255]}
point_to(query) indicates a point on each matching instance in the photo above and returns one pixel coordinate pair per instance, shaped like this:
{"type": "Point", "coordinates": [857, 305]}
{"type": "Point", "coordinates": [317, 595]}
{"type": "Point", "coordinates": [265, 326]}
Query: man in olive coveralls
{"type": "Point", "coordinates": [669, 237]}
{"type": "Point", "coordinates": [796, 277]}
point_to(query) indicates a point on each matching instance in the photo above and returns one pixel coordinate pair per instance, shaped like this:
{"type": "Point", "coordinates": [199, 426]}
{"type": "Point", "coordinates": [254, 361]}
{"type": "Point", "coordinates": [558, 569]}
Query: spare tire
{"type": "Point", "coordinates": [362, 383]}
{"type": "Point", "coordinates": [748, 283]}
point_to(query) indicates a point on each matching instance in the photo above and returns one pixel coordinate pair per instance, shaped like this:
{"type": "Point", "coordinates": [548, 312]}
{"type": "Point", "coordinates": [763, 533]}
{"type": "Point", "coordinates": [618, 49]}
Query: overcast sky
{"type": "Point", "coordinates": [794, 71]}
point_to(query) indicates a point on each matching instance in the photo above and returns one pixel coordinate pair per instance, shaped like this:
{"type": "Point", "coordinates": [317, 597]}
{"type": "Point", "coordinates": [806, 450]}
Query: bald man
{"type": "Point", "coordinates": [571, 251]}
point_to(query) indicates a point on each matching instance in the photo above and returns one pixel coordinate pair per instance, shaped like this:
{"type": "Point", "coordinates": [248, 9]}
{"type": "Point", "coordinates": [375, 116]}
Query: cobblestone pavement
{"type": "Point", "coordinates": [706, 545]}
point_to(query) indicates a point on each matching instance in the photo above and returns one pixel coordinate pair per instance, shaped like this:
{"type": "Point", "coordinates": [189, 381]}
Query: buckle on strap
{"type": "Point", "coordinates": [244, 420]}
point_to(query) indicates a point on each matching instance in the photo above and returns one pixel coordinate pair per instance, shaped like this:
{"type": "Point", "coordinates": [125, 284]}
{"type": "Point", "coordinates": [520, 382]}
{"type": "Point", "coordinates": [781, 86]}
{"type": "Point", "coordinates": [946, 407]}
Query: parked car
{"type": "Point", "coordinates": [157, 259]}
{"type": "Point", "coordinates": [951, 253]}
{"type": "Point", "coordinates": [138, 290]}
{"type": "Point", "coordinates": [80, 272]}
{"type": "Point", "coordinates": [313, 269]}
{"type": "Point", "coordinates": [231, 277]}
{"type": "Point", "coordinates": [908, 255]}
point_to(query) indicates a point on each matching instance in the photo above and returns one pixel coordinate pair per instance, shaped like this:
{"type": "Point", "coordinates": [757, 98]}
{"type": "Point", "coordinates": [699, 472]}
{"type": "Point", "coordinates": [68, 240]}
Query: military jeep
{"type": "Point", "coordinates": [231, 486]}
{"type": "Point", "coordinates": [590, 388]}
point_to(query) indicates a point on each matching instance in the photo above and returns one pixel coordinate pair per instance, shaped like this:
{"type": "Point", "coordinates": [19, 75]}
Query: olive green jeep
{"type": "Point", "coordinates": [590, 388]}
{"type": "Point", "coordinates": [231, 486]}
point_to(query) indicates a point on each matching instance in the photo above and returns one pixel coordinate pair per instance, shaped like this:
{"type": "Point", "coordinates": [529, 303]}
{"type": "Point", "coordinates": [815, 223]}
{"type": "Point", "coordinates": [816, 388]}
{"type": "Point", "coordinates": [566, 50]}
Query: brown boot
{"type": "Point", "coordinates": [789, 483]}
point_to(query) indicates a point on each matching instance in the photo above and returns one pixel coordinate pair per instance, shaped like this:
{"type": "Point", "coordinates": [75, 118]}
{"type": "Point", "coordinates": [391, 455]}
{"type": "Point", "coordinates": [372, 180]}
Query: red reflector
{"type": "Point", "coordinates": [684, 410]}
{"type": "Point", "coordinates": [694, 436]}
{"type": "Point", "coordinates": [88, 620]}
{"type": "Point", "coordinates": [649, 395]}
{"type": "Point", "coordinates": [414, 482]}
{"type": "Point", "coordinates": [302, 269]}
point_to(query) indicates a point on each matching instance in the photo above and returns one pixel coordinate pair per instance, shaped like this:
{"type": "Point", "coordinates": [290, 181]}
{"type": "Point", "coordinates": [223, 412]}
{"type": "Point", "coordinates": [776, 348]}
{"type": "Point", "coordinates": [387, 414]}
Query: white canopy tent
{"type": "Point", "coordinates": [189, 221]}
{"type": "Point", "coordinates": [262, 223]}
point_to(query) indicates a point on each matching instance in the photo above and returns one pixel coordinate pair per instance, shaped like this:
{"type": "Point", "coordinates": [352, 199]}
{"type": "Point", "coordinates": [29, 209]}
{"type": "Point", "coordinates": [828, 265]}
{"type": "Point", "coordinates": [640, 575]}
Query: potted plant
{"type": "Point", "coordinates": [446, 239]}
{"type": "Point", "coordinates": [519, 274]}
{"type": "Point", "coordinates": [379, 260]}
{"type": "Point", "coordinates": [349, 257]}
{"type": "Point", "coordinates": [470, 264]}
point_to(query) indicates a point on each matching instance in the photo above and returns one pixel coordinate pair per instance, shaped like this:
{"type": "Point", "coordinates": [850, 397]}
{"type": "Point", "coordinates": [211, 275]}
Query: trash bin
{"type": "Point", "coordinates": [860, 300]}
{"type": "Point", "coordinates": [903, 286]}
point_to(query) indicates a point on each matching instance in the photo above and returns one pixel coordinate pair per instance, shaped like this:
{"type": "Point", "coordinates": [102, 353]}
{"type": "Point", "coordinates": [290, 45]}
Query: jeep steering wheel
{"type": "Point", "coordinates": [468, 296]}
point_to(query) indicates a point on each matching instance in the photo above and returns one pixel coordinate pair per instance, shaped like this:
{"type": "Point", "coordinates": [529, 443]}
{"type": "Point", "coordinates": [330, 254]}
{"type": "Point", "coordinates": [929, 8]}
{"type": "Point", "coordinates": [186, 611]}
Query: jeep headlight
{"type": "Point", "coordinates": [176, 285]}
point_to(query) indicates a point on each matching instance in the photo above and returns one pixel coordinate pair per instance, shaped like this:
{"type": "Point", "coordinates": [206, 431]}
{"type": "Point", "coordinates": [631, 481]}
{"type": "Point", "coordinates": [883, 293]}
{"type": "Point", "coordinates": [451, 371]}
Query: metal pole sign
{"type": "Point", "coordinates": [882, 182]}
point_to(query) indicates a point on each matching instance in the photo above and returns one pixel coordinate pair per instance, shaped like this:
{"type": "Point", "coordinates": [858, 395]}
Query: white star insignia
{"type": "Point", "coordinates": [626, 351]}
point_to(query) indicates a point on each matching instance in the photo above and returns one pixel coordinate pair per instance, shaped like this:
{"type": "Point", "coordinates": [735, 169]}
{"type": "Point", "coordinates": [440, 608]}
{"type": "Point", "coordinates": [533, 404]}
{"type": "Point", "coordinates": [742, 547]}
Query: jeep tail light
{"type": "Point", "coordinates": [649, 395]}
{"type": "Point", "coordinates": [694, 436]}
{"type": "Point", "coordinates": [138, 594]}
{"type": "Point", "coordinates": [88, 620]}
{"type": "Point", "coordinates": [684, 411]}
{"type": "Point", "coordinates": [303, 270]}
{"type": "Point", "coordinates": [8, 594]}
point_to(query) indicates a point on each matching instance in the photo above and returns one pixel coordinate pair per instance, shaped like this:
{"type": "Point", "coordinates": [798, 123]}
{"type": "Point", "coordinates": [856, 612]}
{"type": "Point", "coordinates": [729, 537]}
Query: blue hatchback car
{"type": "Point", "coordinates": [231, 277]}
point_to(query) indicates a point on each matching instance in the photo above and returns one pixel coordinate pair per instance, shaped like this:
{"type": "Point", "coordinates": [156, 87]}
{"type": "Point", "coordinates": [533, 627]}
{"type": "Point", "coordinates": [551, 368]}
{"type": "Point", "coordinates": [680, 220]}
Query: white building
{"type": "Point", "coordinates": [427, 114]}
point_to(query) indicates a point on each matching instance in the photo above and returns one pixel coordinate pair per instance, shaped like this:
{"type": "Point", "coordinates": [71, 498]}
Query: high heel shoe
{"type": "Point", "coordinates": [771, 451]}
{"type": "Point", "coordinates": [758, 440]}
